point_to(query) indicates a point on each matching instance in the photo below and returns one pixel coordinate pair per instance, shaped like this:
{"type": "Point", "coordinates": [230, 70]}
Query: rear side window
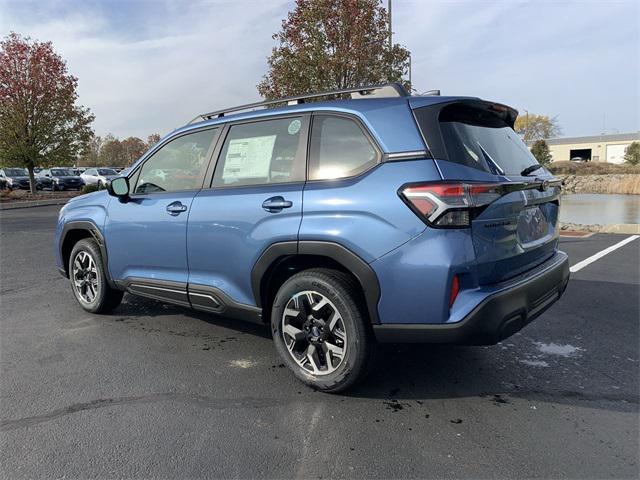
{"type": "Point", "coordinates": [264, 152]}
{"type": "Point", "coordinates": [339, 148]}
{"type": "Point", "coordinates": [477, 137]}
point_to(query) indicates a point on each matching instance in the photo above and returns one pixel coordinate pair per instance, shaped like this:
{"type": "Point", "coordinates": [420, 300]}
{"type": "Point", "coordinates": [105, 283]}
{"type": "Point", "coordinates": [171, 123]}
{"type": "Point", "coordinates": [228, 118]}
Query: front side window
{"type": "Point", "coordinates": [178, 165]}
{"type": "Point", "coordinates": [339, 148]}
{"type": "Point", "coordinates": [261, 153]}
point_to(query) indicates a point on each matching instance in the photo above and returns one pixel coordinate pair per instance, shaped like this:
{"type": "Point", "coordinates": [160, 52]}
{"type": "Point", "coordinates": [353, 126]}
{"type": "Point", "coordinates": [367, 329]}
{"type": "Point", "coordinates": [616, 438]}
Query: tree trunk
{"type": "Point", "coordinates": [32, 180]}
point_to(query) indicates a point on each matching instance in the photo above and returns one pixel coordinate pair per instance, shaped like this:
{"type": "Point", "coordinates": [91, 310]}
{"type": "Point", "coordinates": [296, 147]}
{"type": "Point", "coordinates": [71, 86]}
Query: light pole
{"type": "Point", "coordinates": [390, 29]}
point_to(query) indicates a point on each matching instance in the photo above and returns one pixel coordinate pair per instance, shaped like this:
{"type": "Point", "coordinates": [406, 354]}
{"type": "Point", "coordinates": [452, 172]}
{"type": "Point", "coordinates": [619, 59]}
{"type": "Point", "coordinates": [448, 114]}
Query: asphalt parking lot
{"type": "Point", "coordinates": [157, 391]}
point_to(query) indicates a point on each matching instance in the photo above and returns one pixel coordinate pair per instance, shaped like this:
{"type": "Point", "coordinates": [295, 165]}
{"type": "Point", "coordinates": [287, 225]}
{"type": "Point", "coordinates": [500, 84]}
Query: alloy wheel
{"type": "Point", "coordinates": [314, 333]}
{"type": "Point", "coordinates": [85, 276]}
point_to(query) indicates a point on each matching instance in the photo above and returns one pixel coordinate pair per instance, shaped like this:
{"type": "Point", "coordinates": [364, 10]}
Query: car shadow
{"type": "Point", "coordinates": [134, 306]}
{"type": "Point", "coordinates": [405, 373]}
{"type": "Point", "coordinates": [408, 373]}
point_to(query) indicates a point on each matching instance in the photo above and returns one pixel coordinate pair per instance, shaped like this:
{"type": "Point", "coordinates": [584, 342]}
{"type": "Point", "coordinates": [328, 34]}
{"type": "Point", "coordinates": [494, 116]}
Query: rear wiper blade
{"type": "Point", "coordinates": [530, 169]}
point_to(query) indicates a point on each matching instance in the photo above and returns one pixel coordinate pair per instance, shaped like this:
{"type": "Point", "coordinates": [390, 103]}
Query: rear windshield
{"type": "Point", "coordinates": [480, 138]}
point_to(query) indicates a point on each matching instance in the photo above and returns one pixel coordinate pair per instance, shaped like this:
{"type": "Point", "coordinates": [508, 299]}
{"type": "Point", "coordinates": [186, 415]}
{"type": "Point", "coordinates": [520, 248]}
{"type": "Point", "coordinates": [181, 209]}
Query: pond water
{"type": "Point", "coordinates": [603, 209]}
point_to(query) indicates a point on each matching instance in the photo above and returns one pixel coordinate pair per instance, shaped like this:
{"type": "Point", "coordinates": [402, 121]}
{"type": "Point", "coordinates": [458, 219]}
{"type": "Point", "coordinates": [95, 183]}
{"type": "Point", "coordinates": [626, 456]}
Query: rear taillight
{"type": "Point", "coordinates": [450, 204]}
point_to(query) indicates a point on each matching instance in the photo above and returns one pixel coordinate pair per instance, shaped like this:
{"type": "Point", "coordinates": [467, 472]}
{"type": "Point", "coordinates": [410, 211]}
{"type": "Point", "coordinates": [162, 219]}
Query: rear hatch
{"type": "Point", "coordinates": [512, 216]}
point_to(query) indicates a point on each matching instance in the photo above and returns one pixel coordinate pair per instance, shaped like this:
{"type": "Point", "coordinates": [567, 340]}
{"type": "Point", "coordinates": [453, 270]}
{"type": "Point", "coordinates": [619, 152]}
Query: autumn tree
{"type": "Point", "coordinates": [111, 152]}
{"type": "Point", "coordinates": [332, 44]}
{"type": "Point", "coordinates": [153, 139]}
{"type": "Point", "coordinates": [40, 122]}
{"type": "Point", "coordinates": [132, 150]}
{"type": "Point", "coordinates": [632, 154]}
{"type": "Point", "coordinates": [537, 127]}
{"type": "Point", "coordinates": [91, 155]}
{"type": "Point", "coordinates": [540, 150]}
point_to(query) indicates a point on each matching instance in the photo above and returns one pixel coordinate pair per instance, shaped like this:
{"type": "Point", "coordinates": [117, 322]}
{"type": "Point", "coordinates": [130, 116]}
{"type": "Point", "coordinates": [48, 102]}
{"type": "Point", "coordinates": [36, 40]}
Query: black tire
{"type": "Point", "coordinates": [105, 298]}
{"type": "Point", "coordinates": [343, 293]}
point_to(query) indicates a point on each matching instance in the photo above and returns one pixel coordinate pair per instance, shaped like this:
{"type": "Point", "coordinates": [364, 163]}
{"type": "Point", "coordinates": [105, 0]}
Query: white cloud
{"type": "Point", "coordinates": [189, 60]}
{"type": "Point", "coordinates": [578, 60]}
{"type": "Point", "coordinates": [147, 67]}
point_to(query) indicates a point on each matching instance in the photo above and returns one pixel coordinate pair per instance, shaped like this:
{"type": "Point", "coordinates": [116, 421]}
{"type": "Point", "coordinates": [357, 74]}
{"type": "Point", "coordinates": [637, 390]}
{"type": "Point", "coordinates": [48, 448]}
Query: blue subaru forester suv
{"type": "Point", "coordinates": [375, 217]}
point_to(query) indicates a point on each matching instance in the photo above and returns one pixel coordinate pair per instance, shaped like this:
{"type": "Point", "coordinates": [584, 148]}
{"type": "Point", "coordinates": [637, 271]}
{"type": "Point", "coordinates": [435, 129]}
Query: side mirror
{"type": "Point", "coordinates": [119, 187]}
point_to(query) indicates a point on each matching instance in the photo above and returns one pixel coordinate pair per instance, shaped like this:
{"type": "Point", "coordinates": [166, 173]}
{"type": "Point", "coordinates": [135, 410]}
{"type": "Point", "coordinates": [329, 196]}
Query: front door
{"type": "Point", "coordinates": [146, 235]}
{"type": "Point", "coordinates": [255, 200]}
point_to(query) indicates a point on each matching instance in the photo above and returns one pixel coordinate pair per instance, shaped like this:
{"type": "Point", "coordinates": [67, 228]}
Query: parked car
{"type": "Point", "coordinates": [15, 178]}
{"type": "Point", "coordinates": [99, 176]}
{"type": "Point", "coordinates": [425, 219]}
{"type": "Point", "coordinates": [60, 179]}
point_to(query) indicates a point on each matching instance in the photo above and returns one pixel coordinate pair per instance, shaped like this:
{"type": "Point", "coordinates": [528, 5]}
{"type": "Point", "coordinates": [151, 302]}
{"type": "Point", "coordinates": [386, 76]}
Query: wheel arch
{"type": "Point", "coordinates": [281, 260]}
{"type": "Point", "coordinates": [75, 231]}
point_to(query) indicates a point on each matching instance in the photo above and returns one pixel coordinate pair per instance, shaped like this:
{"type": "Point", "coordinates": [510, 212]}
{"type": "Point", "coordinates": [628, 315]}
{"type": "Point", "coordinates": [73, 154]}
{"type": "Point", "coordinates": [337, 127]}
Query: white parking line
{"type": "Point", "coordinates": [580, 265]}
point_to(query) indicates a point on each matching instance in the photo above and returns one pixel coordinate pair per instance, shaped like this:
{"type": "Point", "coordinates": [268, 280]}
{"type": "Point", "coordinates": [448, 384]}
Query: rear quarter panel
{"type": "Point", "coordinates": [365, 213]}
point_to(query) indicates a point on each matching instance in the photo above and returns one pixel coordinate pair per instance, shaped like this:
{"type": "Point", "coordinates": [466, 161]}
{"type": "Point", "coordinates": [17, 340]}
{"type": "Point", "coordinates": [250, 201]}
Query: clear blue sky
{"type": "Point", "coordinates": [149, 66]}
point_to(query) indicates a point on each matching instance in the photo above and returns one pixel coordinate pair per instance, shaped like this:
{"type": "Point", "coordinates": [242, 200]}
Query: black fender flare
{"type": "Point", "coordinates": [95, 232]}
{"type": "Point", "coordinates": [338, 253]}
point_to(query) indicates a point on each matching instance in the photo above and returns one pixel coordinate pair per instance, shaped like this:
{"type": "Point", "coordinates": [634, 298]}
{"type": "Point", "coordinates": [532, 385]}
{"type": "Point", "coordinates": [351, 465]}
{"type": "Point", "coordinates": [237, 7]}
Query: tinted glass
{"type": "Point", "coordinates": [477, 138]}
{"type": "Point", "coordinates": [62, 172]}
{"type": "Point", "coordinates": [16, 172]}
{"type": "Point", "coordinates": [339, 148]}
{"type": "Point", "coordinates": [178, 165]}
{"type": "Point", "coordinates": [261, 153]}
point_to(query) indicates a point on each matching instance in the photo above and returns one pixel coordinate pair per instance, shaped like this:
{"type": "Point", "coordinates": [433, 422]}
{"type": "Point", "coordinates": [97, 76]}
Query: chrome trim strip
{"type": "Point", "coordinates": [140, 285]}
{"type": "Point", "coordinates": [204, 295]}
{"type": "Point", "coordinates": [412, 154]}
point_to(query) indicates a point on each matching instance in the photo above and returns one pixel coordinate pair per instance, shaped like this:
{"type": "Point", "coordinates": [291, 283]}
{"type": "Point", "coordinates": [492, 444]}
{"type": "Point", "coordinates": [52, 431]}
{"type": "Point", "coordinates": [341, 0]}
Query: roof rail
{"type": "Point", "coordinates": [369, 91]}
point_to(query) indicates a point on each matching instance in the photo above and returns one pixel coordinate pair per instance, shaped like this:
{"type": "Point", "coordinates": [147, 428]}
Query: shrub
{"type": "Point", "coordinates": [591, 168]}
{"type": "Point", "coordinates": [540, 150]}
{"type": "Point", "coordinates": [90, 188]}
{"type": "Point", "coordinates": [632, 155]}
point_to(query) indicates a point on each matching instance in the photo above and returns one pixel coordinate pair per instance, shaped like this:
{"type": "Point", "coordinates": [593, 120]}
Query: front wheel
{"type": "Point", "coordinates": [319, 326]}
{"type": "Point", "coordinates": [88, 279]}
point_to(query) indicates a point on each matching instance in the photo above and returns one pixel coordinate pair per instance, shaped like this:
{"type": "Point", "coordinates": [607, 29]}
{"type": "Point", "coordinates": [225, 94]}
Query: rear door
{"type": "Point", "coordinates": [473, 141]}
{"type": "Point", "coordinates": [254, 200]}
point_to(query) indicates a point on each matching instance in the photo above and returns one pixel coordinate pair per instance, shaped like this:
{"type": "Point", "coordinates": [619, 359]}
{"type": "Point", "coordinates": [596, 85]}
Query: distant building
{"type": "Point", "coordinates": [597, 148]}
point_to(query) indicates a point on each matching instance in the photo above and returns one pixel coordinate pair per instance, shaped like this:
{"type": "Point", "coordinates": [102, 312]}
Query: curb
{"type": "Point", "coordinates": [34, 203]}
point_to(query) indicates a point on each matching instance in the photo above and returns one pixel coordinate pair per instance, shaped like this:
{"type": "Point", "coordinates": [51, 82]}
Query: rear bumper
{"type": "Point", "coordinates": [498, 316]}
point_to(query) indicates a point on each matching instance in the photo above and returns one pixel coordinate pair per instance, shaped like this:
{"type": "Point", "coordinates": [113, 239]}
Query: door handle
{"type": "Point", "coordinates": [176, 208]}
{"type": "Point", "coordinates": [276, 204]}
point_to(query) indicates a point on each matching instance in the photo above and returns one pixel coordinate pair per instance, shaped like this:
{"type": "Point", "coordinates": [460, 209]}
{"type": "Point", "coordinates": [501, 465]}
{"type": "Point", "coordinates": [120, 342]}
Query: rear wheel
{"type": "Point", "coordinates": [88, 279]}
{"type": "Point", "coordinates": [320, 329]}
